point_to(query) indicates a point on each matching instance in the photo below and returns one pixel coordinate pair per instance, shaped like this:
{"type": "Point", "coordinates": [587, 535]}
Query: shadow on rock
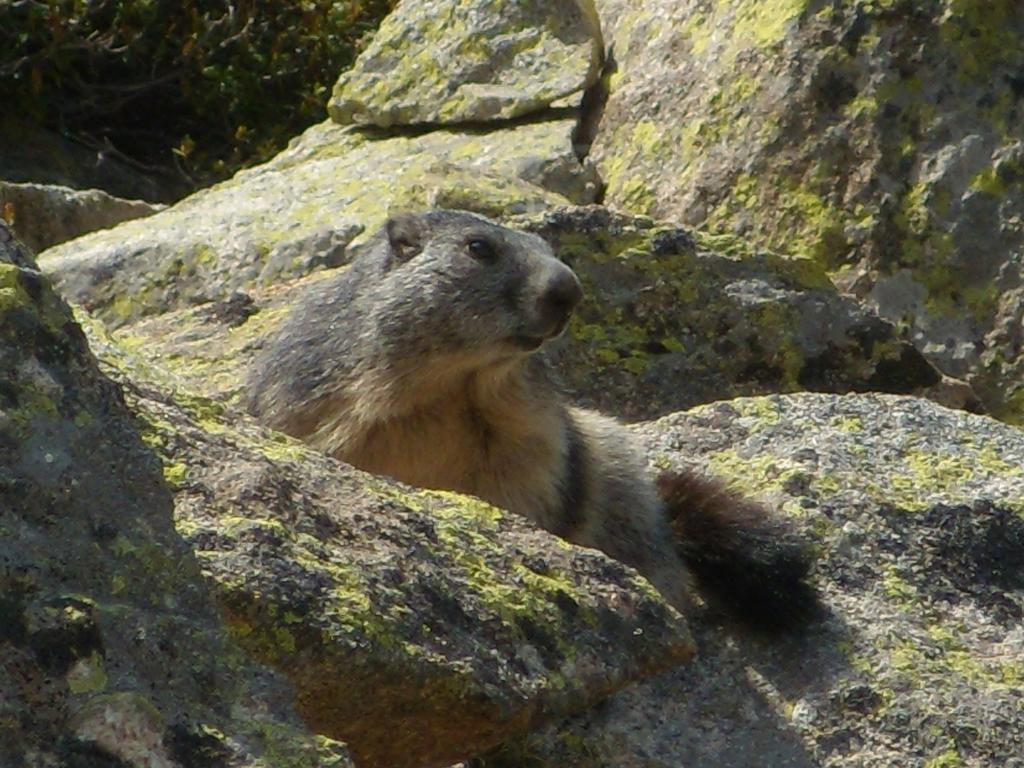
{"type": "Point", "coordinates": [112, 649]}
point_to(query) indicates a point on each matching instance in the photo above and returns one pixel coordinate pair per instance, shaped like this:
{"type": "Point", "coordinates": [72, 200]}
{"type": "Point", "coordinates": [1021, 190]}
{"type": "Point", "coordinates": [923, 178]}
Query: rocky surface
{"type": "Point", "coordinates": [675, 318]}
{"type": "Point", "coordinates": [112, 652]}
{"type": "Point", "coordinates": [917, 513]}
{"type": "Point", "coordinates": [880, 138]}
{"type": "Point", "coordinates": [871, 143]}
{"type": "Point", "coordinates": [418, 627]}
{"type": "Point", "coordinates": [458, 61]}
{"type": "Point", "coordinates": [47, 214]}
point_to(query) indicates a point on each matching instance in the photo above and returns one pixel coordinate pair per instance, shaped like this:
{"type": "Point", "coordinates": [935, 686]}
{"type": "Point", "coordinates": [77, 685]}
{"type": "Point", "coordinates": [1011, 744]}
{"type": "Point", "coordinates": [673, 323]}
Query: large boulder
{"type": "Point", "coordinates": [918, 516]}
{"type": "Point", "coordinates": [880, 138]}
{"type": "Point", "coordinates": [676, 318]}
{"type": "Point", "coordinates": [112, 650]}
{"type": "Point", "coordinates": [418, 627]}
{"type": "Point", "coordinates": [459, 61]}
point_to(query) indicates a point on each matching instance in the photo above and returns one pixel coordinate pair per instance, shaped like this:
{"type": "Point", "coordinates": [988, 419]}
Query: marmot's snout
{"type": "Point", "coordinates": [547, 303]}
{"type": "Point", "coordinates": [559, 296]}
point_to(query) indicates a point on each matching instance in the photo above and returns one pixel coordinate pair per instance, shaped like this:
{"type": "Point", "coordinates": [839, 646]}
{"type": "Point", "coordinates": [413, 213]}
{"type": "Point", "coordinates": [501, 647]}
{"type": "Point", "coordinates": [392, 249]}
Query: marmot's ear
{"type": "Point", "coordinates": [404, 236]}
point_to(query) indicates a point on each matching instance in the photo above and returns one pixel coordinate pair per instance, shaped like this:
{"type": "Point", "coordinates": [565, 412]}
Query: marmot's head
{"type": "Point", "coordinates": [462, 283]}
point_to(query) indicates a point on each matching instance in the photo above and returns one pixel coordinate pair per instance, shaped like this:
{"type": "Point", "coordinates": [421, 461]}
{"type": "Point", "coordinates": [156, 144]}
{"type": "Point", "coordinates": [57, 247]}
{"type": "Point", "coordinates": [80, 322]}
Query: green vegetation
{"type": "Point", "coordinates": [197, 88]}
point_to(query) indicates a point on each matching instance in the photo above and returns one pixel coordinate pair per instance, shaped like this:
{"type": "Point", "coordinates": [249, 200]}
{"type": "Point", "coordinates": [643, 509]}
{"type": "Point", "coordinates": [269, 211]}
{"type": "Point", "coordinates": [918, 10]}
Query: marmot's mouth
{"type": "Point", "coordinates": [533, 343]}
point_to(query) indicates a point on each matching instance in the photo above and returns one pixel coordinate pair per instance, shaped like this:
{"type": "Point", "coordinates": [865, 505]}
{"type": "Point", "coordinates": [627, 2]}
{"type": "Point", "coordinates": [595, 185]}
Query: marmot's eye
{"type": "Point", "coordinates": [481, 249]}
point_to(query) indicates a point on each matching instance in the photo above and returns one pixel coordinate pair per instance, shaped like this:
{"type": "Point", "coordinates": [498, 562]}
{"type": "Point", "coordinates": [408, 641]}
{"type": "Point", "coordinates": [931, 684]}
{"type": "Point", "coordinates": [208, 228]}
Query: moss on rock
{"type": "Point", "coordinates": [472, 60]}
{"type": "Point", "coordinates": [878, 138]}
{"type": "Point", "coordinates": [922, 580]}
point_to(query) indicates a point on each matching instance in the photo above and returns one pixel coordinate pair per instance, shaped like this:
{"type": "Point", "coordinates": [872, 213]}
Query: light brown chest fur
{"type": "Point", "coordinates": [484, 435]}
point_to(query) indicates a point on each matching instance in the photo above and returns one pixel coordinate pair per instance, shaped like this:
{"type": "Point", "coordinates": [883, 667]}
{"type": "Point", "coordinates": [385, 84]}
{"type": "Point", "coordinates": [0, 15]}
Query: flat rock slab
{"type": "Point", "coordinates": [918, 517]}
{"type": "Point", "coordinates": [446, 62]}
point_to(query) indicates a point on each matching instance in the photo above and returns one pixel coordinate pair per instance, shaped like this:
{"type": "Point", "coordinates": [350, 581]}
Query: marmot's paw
{"type": "Point", "coordinates": [743, 557]}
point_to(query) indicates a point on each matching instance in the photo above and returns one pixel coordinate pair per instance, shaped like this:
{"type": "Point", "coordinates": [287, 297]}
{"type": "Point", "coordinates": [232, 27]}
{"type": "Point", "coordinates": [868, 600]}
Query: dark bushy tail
{"type": "Point", "coordinates": [744, 558]}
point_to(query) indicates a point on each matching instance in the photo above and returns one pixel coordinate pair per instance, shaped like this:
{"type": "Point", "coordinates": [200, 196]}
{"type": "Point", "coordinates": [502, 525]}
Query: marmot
{"type": "Point", "coordinates": [419, 361]}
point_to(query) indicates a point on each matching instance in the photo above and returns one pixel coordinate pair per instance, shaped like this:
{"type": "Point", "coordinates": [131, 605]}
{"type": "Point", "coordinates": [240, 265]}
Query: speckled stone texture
{"type": "Point", "coordinates": [674, 318]}
{"type": "Point", "coordinates": [917, 515]}
{"type": "Point", "coordinates": [112, 650]}
{"type": "Point", "coordinates": [882, 139]}
{"type": "Point", "coordinates": [458, 61]}
{"type": "Point", "coordinates": [418, 627]}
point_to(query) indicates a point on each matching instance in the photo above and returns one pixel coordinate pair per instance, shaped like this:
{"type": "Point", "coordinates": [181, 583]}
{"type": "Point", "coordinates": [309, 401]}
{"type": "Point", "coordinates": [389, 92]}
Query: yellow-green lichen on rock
{"type": "Point", "coordinates": [922, 468]}
{"type": "Point", "coordinates": [922, 589]}
{"type": "Point", "coordinates": [90, 600]}
{"type": "Point", "coordinates": [470, 61]}
{"type": "Point", "coordinates": [671, 320]}
{"type": "Point", "coordinates": [819, 130]}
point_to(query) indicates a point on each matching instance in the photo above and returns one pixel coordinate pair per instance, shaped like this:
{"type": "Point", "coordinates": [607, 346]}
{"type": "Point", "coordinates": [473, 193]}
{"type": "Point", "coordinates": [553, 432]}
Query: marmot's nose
{"type": "Point", "coordinates": [562, 293]}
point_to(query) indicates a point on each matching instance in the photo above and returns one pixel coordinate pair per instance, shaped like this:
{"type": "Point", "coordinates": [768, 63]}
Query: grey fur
{"type": "Point", "coordinates": [416, 362]}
